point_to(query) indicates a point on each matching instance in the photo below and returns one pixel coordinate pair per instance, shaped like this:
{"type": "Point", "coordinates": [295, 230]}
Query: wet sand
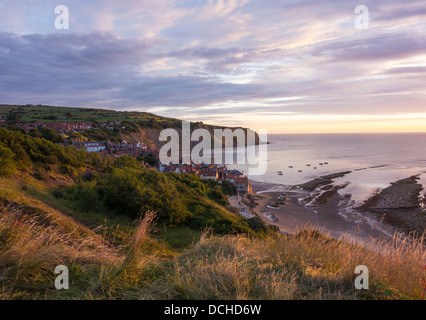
{"type": "Point", "coordinates": [399, 205]}
{"type": "Point", "coordinates": [293, 216]}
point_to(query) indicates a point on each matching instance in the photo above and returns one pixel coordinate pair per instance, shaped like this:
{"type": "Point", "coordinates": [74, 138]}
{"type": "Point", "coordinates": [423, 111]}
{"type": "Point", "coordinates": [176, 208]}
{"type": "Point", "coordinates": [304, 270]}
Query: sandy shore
{"type": "Point", "coordinates": [291, 216]}
{"type": "Point", "coordinates": [400, 205]}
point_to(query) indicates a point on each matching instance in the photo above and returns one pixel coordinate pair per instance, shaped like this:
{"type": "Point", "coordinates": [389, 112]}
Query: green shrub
{"type": "Point", "coordinates": [58, 194]}
{"type": "Point", "coordinates": [30, 151]}
{"type": "Point", "coordinates": [128, 190]}
{"type": "Point", "coordinates": [126, 162]}
{"type": "Point", "coordinates": [257, 224]}
{"type": "Point", "coordinates": [7, 157]}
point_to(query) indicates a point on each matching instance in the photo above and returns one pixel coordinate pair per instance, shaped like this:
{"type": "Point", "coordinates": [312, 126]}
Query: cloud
{"type": "Point", "coordinates": [224, 60]}
{"type": "Point", "coordinates": [407, 11]}
{"type": "Point", "coordinates": [45, 64]}
{"type": "Point", "coordinates": [208, 58]}
{"type": "Point", "coordinates": [408, 70]}
{"type": "Point", "coordinates": [99, 67]}
{"type": "Point", "coordinates": [380, 47]}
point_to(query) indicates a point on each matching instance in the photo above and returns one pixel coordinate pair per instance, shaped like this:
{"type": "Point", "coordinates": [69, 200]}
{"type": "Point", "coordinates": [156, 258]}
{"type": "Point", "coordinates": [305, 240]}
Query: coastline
{"type": "Point", "coordinates": [319, 205]}
{"type": "Point", "coordinates": [401, 204]}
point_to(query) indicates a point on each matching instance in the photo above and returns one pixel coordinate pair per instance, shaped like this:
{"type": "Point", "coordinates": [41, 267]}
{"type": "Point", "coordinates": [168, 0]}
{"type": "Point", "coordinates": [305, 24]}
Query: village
{"type": "Point", "coordinates": [212, 171]}
{"type": "Point", "coordinates": [138, 151]}
{"type": "Point", "coordinates": [67, 126]}
{"type": "Point", "coordinates": [205, 171]}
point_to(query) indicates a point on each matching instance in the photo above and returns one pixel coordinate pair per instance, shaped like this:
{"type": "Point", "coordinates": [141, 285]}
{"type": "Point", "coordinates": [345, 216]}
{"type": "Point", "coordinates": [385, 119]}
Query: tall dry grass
{"type": "Point", "coordinates": [140, 235]}
{"type": "Point", "coordinates": [30, 249]}
{"type": "Point", "coordinates": [309, 265]}
{"type": "Point", "coordinates": [117, 278]}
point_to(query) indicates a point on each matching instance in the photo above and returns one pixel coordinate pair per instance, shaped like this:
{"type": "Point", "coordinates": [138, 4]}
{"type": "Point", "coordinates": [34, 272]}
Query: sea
{"type": "Point", "coordinates": [374, 159]}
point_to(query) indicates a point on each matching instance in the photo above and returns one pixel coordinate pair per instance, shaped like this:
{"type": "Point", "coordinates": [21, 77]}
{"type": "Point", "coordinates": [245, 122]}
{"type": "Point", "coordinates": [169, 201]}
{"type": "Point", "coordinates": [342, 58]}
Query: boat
{"type": "Point", "coordinates": [325, 162]}
{"type": "Point", "coordinates": [321, 163]}
{"type": "Point", "coordinates": [300, 170]}
{"type": "Point", "coordinates": [291, 167]}
{"type": "Point", "coordinates": [315, 167]}
{"type": "Point", "coordinates": [308, 165]}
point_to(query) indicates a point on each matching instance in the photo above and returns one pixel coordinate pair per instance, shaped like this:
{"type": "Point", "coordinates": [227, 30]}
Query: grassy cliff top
{"type": "Point", "coordinates": [42, 113]}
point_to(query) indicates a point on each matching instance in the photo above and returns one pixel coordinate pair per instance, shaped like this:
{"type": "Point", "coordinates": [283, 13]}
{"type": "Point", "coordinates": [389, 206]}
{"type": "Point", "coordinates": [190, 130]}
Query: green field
{"type": "Point", "coordinates": [51, 113]}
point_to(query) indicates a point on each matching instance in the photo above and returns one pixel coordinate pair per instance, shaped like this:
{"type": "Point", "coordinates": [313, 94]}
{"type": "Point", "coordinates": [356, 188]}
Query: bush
{"type": "Point", "coordinates": [65, 170]}
{"type": "Point", "coordinates": [199, 187]}
{"type": "Point", "coordinates": [40, 175]}
{"type": "Point", "coordinates": [89, 176]}
{"type": "Point", "coordinates": [257, 224]}
{"type": "Point", "coordinates": [150, 159]}
{"type": "Point", "coordinates": [7, 166]}
{"type": "Point", "coordinates": [128, 190]}
{"type": "Point", "coordinates": [58, 194]}
{"type": "Point", "coordinates": [228, 188]}
{"type": "Point", "coordinates": [89, 200]}
{"type": "Point", "coordinates": [28, 151]}
{"type": "Point", "coordinates": [85, 195]}
{"type": "Point", "coordinates": [47, 133]}
{"type": "Point", "coordinates": [94, 160]}
{"type": "Point", "coordinates": [217, 195]}
{"type": "Point", "coordinates": [126, 162]}
{"type": "Point", "coordinates": [177, 199]}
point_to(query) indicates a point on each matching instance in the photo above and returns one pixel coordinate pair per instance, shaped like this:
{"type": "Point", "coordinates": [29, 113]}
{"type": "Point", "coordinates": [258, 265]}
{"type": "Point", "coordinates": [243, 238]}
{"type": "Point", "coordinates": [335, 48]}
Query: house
{"type": "Point", "coordinates": [242, 185]}
{"type": "Point", "coordinates": [231, 175]}
{"type": "Point", "coordinates": [211, 171]}
{"type": "Point", "coordinates": [95, 146]}
{"type": "Point", "coordinates": [211, 174]}
{"type": "Point", "coordinates": [141, 145]}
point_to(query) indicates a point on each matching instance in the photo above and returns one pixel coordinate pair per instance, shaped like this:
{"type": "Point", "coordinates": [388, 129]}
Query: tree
{"type": "Point", "coordinates": [150, 159]}
{"type": "Point", "coordinates": [14, 117]}
{"type": "Point", "coordinates": [217, 195]}
{"type": "Point", "coordinates": [198, 186]}
{"type": "Point", "coordinates": [129, 190]}
{"type": "Point", "coordinates": [126, 162]}
{"type": "Point", "coordinates": [7, 166]}
{"type": "Point", "coordinates": [47, 133]}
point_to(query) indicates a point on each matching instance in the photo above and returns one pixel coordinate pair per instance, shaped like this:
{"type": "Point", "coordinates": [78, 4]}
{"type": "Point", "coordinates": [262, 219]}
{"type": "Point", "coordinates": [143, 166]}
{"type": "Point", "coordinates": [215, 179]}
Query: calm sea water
{"type": "Point", "coordinates": [375, 160]}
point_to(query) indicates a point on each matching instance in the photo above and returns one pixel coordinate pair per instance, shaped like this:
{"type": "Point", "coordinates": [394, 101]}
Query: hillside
{"type": "Point", "coordinates": [128, 232]}
{"type": "Point", "coordinates": [133, 126]}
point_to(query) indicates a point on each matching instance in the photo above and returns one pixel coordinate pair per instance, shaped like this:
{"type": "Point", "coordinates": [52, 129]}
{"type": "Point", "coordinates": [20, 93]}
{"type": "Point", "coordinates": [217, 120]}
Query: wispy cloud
{"type": "Point", "coordinates": [203, 59]}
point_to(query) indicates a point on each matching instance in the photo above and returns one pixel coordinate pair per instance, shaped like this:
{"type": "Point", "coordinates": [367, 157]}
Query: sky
{"type": "Point", "coordinates": [288, 66]}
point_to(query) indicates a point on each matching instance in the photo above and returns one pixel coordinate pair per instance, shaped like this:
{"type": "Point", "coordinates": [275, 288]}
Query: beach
{"type": "Point", "coordinates": [318, 204]}
{"type": "Point", "coordinates": [362, 185]}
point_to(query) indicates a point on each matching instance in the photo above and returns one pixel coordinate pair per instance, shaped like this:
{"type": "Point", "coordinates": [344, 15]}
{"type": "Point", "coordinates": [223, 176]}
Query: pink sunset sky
{"type": "Point", "coordinates": [285, 66]}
